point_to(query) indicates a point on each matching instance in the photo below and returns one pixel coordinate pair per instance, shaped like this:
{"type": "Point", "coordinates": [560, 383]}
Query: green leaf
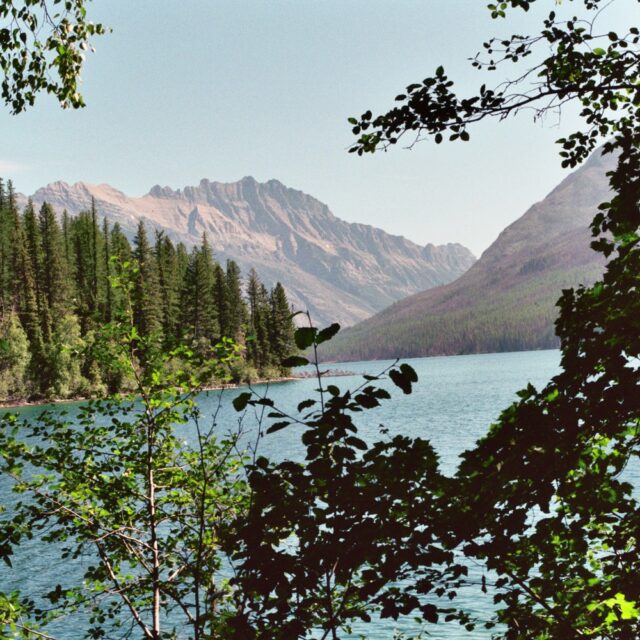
{"type": "Point", "coordinates": [277, 426]}
{"type": "Point", "coordinates": [409, 372]}
{"type": "Point", "coordinates": [356, 443]}
{"type": "Point", "coordinates": [327, 333]}
{"type": "Point", "coordinates": [240, 402]}
{"type": "Point", "coordinates": [304, 337]}
{"type": "Point", "coordinates": [401, 380]}
{"type": "Point", "coordinates": [294, 361]}
{"type": "Point", "coordinates": [305, 404]}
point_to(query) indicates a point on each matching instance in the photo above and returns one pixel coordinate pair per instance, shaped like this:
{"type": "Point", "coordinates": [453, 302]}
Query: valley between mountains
{"type": "Point", "coordinates": [506, 300]}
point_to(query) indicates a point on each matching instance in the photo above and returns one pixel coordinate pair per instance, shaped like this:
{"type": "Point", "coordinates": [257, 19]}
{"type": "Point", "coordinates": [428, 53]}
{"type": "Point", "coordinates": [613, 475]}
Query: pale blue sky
{"type": "Point", "coordinates": [183, 90]}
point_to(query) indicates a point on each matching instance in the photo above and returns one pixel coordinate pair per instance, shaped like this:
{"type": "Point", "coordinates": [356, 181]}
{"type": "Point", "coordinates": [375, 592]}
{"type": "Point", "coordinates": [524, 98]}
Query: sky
{"type": "Point", "coordinates": [188, 89]}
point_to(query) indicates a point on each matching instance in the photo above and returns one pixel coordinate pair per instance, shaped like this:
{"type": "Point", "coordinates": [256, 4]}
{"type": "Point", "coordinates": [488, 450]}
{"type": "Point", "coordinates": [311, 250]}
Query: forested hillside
{"type": "Point", "coordinates": [62, 283]}
{"type": "Point", "coordinates": [506, 301]}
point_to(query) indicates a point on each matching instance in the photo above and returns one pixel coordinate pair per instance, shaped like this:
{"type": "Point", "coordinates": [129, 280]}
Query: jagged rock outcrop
{"type": "Point", "coordinates": [340, 271]}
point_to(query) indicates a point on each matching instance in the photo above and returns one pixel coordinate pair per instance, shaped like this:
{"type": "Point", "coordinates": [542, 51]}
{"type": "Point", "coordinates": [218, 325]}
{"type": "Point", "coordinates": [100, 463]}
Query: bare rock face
{"type": "Point", "coordinates": [506, 300]}
{"type": "Point", "coordinates": [339, 271]}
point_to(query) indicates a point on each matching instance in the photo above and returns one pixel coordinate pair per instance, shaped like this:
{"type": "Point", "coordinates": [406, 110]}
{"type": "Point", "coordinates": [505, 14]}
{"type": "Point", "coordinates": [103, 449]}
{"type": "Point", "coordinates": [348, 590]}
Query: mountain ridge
{"type": "Point", "coordinates": [340, 271]}
{"type": "Point", "coordinates": [506, 300]}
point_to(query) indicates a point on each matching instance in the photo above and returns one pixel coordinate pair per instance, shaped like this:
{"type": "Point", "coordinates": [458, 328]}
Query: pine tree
{"type": "Point", "coordinates": [198, 302]}
{"type": "Point", "coordinates": [147, 313]}
{"type": "Point", "coordinates": [107, 314]}
{"type": "Point", "coordinates": [281, 327]}
{"type": "Point", "coordinates": [221, 300]}
{"type": "Point", "coordinates": [56, 279]}
{"type": "Point", "coordinates": [258, 352]}
{"type": "Point", "coordinates": [237, 308]}
{"type": "Point", "coordinates": [169, 281]}
{"type": "Point", "coordinates": [36, 254]}
{"type": "Point", "coordinates": [25, 298]}
{"type": "Point", "coordinates": [94, 247]}
{"type": "Point", "coordinates": [55, 272]}
{"type": "Point", "coordinates": [120, 249]}
{"type": "Point", "coordinates": [68, 253]}
{"type": "Point", "coordinates": [84, 243]}
{"type": "Point", "coordinates": [6, 275]}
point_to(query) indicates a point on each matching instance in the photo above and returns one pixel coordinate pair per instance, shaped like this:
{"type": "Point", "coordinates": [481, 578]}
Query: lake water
{"type": "Point", "coordinates": [452, 405]}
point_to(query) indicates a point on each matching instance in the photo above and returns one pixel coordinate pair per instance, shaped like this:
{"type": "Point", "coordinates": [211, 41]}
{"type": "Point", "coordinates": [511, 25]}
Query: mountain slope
{"type": "Point", "coordinates": [337, 270]}
{"type": "Point", "coordinates": [506, 301]}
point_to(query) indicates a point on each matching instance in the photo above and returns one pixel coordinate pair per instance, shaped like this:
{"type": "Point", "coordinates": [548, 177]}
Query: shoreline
{"type": "Point", "coordinates": [21, 403]}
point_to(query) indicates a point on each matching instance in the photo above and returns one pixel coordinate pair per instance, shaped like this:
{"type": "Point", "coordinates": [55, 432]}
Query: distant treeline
{"type": "Point", "coordinates": [57, 294]}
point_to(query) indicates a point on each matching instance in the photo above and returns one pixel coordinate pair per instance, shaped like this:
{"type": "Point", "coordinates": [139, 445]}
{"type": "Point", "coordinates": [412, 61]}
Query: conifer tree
{"type": "Point", "coordinates": [94, 246]}
{"type": "Point", "coordinates": [198, 302]}
{"type": "Point", "coordinates": [147, 313]}
{"type": "Point", "coordinates": [84, 242]}
{"type": "Point", "coordinates": [237, 309]}
{"type": "Point", "coordinates": [222, 300]}
{"type": "Point", "coordinates": [66, 236]}
{"type": "Point", "coordinates": [166, 258]}
{"type": "Point", "coordinates": [56, 278]}
{"type": "Point", "coordinates": [25, 298]}
{"type": "Point", "coordinates": [107, 314]}
{"type": "Point", "coordinates": [120, 250]}
{"type": "Point", "coordinates": [281, 327]}
{"type": "Point", "coordinates": [5, 253]}
{"type": "Point", "coordinates": [68, 253]}
{"type": "Point", "coordinates": [34, 247]}
{"type": "Point", "coordinates": [258, 352]}
{"type": "Point", "coordinates": [54, 273]}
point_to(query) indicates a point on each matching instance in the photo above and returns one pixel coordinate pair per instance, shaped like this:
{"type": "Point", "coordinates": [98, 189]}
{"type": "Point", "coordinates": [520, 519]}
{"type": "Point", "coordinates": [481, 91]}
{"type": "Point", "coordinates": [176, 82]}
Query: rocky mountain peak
{"type": "Point", "coordinates": [340, 271]}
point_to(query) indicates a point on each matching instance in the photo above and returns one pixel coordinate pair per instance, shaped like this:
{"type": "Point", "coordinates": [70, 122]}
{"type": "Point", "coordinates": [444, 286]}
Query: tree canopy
{"type": "Point", "coordinates": [42, 49]}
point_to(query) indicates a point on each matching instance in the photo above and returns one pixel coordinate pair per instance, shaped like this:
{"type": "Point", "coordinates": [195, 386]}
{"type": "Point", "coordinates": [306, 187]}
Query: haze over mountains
{"type": "Point", "coordinates": [340, 271]}
{"type": "Point", "coordinates": [506, 301]}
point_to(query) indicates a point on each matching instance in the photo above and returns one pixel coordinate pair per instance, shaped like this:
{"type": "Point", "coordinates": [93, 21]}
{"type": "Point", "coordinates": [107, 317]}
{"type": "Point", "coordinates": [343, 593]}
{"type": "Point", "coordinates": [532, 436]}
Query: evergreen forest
{"type": "Point", "coordinates": [64, 280]}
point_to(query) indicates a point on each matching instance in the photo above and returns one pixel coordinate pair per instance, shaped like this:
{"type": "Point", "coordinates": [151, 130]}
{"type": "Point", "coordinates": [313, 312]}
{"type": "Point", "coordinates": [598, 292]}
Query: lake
{"type": "Point", "coordinates": [452, 405]}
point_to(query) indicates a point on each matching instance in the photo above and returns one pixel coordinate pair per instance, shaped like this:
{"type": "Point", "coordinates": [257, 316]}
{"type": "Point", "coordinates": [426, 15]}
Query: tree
{"type": "Point", "coordinates": [6, 225]}
{"type": "Point", "coordinates": [120, 257]}
{"type": "Point", "coordinates": [572, 571]}
{"type": "Point", "coordinates": [55, 272]}
{"type": "Point", "coordinates": [147, 314]}
{"type": "Point", "coordinates": [200, 319]}
{"type": "Point", "coordinates": [281, 326]}
{"type": "Point", "coordinates": [107, 269]}
{"type": "Point", "coordinates": [118, 483]}
{"type": "Point", "coordinates": [42, 45]}
{"type": "Point", "coordinates": [258, 346]}
{"type": "Point", "coordinates": [237, 307]}
{"type": "Point", "coordinates": [541, 506]}
{"type": "Point", "coordinates": [221, 296]}
{"type": "Point", "coordinates": [84, 236]}
{"type": "Point", "coordinates": [33, 238]}
{"type": "Point", "coordinates": [25, 296]}
{"type": "Point", "coordinates": [14, 358]}
{"type": "Point", "coordinates": [169, 280]}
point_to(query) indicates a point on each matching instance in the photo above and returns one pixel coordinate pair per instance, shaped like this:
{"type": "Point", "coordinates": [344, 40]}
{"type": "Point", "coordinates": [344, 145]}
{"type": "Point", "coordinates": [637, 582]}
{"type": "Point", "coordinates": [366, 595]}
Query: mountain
{"type": "Point", "coordinates": [339, 271]}
{"type": "Point", "coordinates": [506, 300]}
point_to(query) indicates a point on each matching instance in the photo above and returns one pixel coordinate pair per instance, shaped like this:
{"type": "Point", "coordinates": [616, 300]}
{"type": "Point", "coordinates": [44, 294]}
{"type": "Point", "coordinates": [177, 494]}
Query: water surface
{"type": "Point", "coordinates": [454, 402]}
